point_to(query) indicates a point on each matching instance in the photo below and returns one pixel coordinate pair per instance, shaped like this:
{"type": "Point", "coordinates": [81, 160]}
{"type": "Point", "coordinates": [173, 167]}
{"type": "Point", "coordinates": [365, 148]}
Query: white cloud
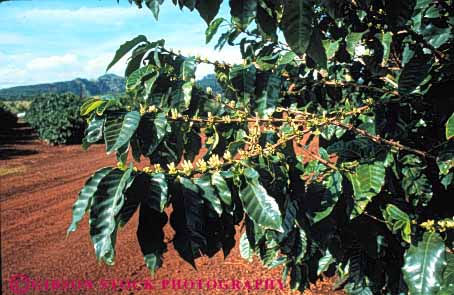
{"type": "Point", "coordinates": [27, 69]}
{"type": "Point", "coordinates": [97, 15]}
{"type": "Point", "coordinates": [52, 62]}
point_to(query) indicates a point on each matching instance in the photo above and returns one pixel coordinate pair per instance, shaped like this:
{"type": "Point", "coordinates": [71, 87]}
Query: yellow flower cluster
{"type": "Point", "coordinates": [440, 225]}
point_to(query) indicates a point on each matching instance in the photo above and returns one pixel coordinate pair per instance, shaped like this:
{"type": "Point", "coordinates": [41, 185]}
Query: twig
{"type": "Point", "coordinates": [379, 139]}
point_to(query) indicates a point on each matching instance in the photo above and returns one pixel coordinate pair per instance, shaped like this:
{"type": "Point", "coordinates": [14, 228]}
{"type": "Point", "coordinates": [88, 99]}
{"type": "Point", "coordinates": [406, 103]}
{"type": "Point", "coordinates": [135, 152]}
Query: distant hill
{"type": "Point", "coordinates": [106, 84]}
{"type": "Point", "coordinates": [210, 81]}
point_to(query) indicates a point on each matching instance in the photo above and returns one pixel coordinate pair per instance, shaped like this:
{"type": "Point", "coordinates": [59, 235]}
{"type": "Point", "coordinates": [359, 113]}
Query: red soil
{"type": "Point", "coordinates": [38, 185]}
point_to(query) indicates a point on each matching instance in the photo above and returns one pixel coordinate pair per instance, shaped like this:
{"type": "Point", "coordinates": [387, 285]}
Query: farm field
{"type": "Point", "coordinates": [38, 185]}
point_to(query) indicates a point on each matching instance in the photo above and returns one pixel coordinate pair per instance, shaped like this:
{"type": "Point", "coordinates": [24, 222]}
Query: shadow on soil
{"type": "Point", "coordinates": [12, 138]}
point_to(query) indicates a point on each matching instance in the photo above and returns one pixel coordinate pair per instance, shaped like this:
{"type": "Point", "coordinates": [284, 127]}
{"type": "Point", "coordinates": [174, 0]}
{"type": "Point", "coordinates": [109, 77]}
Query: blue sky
{"type": "Point", "coordinates": [46, 41]}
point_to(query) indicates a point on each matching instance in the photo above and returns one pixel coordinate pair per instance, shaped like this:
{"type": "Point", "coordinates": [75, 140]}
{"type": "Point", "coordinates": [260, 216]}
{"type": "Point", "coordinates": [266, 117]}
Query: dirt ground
{"type": "Point", "coordinates": [38, 185]}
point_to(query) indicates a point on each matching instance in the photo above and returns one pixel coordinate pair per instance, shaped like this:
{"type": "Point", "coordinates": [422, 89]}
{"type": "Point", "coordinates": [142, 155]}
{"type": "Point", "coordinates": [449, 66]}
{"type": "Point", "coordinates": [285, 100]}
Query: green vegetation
{"type": "Point", "coordinates": [7, 118]}
{"type": "Point", "coordinates": [56, 118]}
{"type": "Point", "coordinates": [370, 79]}
{"type": "Point", "coordinates": [106, 84]}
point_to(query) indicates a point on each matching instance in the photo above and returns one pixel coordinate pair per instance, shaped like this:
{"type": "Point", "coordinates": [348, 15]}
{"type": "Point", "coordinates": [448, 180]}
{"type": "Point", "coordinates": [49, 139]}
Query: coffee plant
{"type": "Point", "coordinates": [7, 118]}
{"type": "Point", "coordinates": [56, 118]}
{"type": "Point", "coordinates": [332, 144]}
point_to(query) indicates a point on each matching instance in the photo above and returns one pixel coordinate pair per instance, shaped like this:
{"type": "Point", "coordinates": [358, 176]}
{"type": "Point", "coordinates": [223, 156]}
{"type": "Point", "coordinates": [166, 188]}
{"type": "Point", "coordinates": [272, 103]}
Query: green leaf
{"type": "Point", "coordinates": [385, 40]}
{"type": "Point", "coordinates": [413, 73]}
{"type": "Point", "coordinates": [325, 262]}
{"type": "Point", "coordinates": [246, 251]}
{"type": "Point", "coordinates": [414, 182]}
{"type": "Point", "coordinates": [436, 36]}
{"type": "Point", "coordinates": [125, 48]}
{"type": "Point", "coordinates": [153, 5]}
{"type": "Point", "coordinates": [90, 105]}
{"type": "Point", "coordinates": [269, 95]}
{"type": "Point", "coordinates": [330, 47]}
{"type": "Point", "coordinates": [84, 199]}
{"type": "Point", "coordinates": [212, 29]}
{"type": "Point", "coordinates": [204, 183]}
{"type": "Point", "coordinates": [398, 13]}
{"type": "Point", "coordinates": [287, 58]}
{"type": "Point", "coordinates": [447, 286]}
{"type": "Point", "coordinates": [259, 206]}
{"type": "Point", "coordinates": [188, 67]}
{"type": "Point", "coordinates": [107, 202]}
{"type": "Point", "coordinates": [243, 80]}
{"type": "Point", "coordinates": [296, 24]}
{"type": "Point", "coordinates": [316, 50]}
{"type": "Point", "coordinates": [367, 182]}
{"type": "Point", "coordinates": [187, 93]}
{"type": "Point", "coordinates": [208, 9]}
{"type": "Point", "coordinates": [157, 192]}
{"type": "Point", "coordinates": [450, 127]}
{"type": "Point", "coordinates": [353, 40]}
{"type": "Point", "coordinates": [333, 184]}
{"type": "Point", "coordinates": [423, 265]}
{"type": "Point", "coordinates": [301, 246]}
{"type": "Point", "coordinates": [398, 220]}
{"type": "Point", "coordinates": [222, 188]}
{"type": "Point", "coordinates": [93, 133]}
{"type": "Point", "coordinates": [242, 11]}
{"type": "Point", "coordinates": [129, 125]}
{"type": "Point", "coordinates": [188, 220]}
{"type": "Point", "coordinates": [160, 123]}
{"type": "Point", "coordinates": [150, 234]}
{"type": "Point", "coordinates": [112, 128]}
{"type": "Point", "coordinates": [138, 77]}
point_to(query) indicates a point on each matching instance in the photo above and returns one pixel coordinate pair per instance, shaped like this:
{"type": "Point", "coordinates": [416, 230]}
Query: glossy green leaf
{"type": "Point", "coordinates": [188, 220]}
{"type": "Point", "coordinates": [90, 106]}
{"type": "Point", "coordinates": [246, 251]}
{"type": "Point", "coordinates": [208, 9]}
{"type": "Point", "coordinates": [129, 125]}
{"type": "Point", "coordinates": [150, 234]}
{"type": "Point", "coordinates": [270, 95]}
{"type": "Point", "coordinates": [414, 72]}
{"type": "Point", "coordinates": [296, 24]}
{"type": "Point", "coordinates": [398, 220]}
{"type": "Point", "coordinates": [107, 202]}
{"type": "Point", "coordinates": [153, 5]}
{"type": "Point", "coordinates": [83, 202]}
{"type": "Point", "coordinates": [212, 29]}
{"type": "Point", "coordinates": [423, 265]}
{"type": "Point", "coordinates": [436, 36]}
{"type": "Point", "coordinates": [157, 196]}
{"type": "Point", "coordinates": [242, 11]}
{"type": "Point", "coordinates": [94, 131]}
{"type": "Point", "coordinates": [367, 182]}
{"type": "Point", "coordinates": [325, 262]}
{"type": "Point", "coordinates": [187, 93]}
{"type": "Point", "coordinates": [259, 206]}
{"type": "Point", "coordinates": [125, 48]}
{"type": "Point", "coordinates": [138, 77]}
{"type": "Point", "coordinates": [450, 127]}
{"type": "Point", "coordinates": [447, 286]}
{"type": "Point", "coordinates": [204, 183]}
{"type": "Point", "coordinates": [316, 50]}
{"type": "Point", "coordinates": [333, 185]}
{"type": "Point", "coordinates": [385, 40]}
{"type": "Point", "coordinates": [243, 80]}
{"type": "Point", "coordinates": [188, 67]}
{"type": "Point", "coordinates": [222, 188]}
{"type": "Point", "coordinates": [353, 40]}
{"type": "Point", "coordinates": [287, 58]}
